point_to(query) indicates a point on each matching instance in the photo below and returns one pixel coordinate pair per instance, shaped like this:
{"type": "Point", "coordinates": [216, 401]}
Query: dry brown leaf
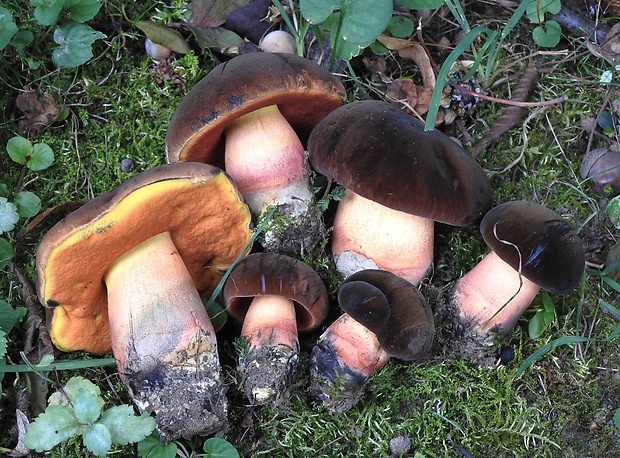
{"type": "Point", "coordinates": [40, 113]}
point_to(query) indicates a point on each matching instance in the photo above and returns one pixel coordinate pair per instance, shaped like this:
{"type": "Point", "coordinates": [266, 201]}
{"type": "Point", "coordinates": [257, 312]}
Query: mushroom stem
{"type": "Point", "coordinates": [270, 320]}
{"type": "Point", "coordinates": [489, 286]}
{"type": "Point", "coordinates": [345, 356]}
{"type": "Point", "coordinates": [162, 339]}
{"type": "Point", "coordinates": [266, 160]}
{"type": "Point", "coordinates": [271, 328]}
{"type": "Point", "coordinates": [368, 235]}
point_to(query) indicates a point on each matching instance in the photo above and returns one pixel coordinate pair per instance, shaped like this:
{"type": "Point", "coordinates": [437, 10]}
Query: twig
{"type": "Point", "coordinates": [513, 113]}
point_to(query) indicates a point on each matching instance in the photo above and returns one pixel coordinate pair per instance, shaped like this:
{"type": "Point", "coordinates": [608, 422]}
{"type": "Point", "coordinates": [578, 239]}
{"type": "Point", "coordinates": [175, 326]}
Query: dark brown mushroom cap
{"type": "Point", "coordinates": [393, 309]}
{"type": "Point", "coordinates": [303, 91]}
{"type": "Point", "coordinates": [535, 238]}
{"type": "Point", "coordinates": [199, 206]}
{"type": "Point", "coordinates": [601, 167]}
{"type": "Point", "coordinates": [262, 274]}
{"type": "Point", "coordinates": [384, 154]}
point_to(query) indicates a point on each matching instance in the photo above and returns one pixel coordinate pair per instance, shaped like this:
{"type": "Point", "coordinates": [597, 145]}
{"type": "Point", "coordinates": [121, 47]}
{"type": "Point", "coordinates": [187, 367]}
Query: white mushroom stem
{"type": "Point", "coordinates": [489, 286]}
{"type": "Point", "coordinates": [271, 321]}
{"type": "Point", "coordinates": [368, 235]}
{"type": "Point", "coordinates": [162, 339]}
{"type": "Point", "coordinates": [266, 160]}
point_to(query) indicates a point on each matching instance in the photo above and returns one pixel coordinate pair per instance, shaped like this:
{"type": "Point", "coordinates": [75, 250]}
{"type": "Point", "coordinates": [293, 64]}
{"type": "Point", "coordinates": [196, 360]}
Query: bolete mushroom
{"type": "Point", "coordinates": [532, 248]}
{"type": "Point", "coordinates": [251, 115]}
{"type": "Point", "coordinates": [385, 316]}
{"type": "Point", "coordinates": [123, 273]}
{"type": "Point", "coordinates": [399, 179]}
{"type": "Point", "coordinates": [601, 167]}
{"type": "Point", "coordinates": [275, 297]}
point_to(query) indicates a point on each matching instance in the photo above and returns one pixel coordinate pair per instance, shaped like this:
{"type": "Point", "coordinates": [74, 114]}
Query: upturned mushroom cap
{"type": "Point", "coordinates": [536, 240]}
{"type": "Point", "coordinates": [393, 309]}
{"type": "Point", "coordinates": [197, 203]}
{"type": "Point", "coordinates": [384, 154]}
{"type": "Point", "coordinates": [273, 274]}
{"type": "Point", "coordinates": [303, 91]}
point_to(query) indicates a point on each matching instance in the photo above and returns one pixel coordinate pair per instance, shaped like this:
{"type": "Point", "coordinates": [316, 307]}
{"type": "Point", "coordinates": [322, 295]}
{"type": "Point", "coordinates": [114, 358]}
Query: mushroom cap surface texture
{"type": "Point", "coordinates": [303, 91]}
{"type": "Point", "coordinates": [393, 309]}
{"type": "Point", "coordinates": [537, 240]}
{"type": "Point", "coordinates": [273, 274]}
{"type": "Point", "coordinates": [197, 203]}
{"type": "Point", "coordinates": [385, 155]}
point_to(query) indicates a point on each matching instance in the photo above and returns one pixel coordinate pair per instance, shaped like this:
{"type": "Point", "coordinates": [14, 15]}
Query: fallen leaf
{"type": "Point", "coordinates": [40, 113]}
{"type": "Point", "coordinates": [164, 36]}
{"type": "Point", "coordinates": [213, 13]}
{"type": "Point", "coordinates": [217, 39]}
{"type": "Point", "coordinates": [22, 424]}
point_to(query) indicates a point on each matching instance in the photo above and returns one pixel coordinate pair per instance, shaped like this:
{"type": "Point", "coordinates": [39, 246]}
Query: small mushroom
{"type": "Point", "coordinates": [278, 41]}
{"type": "Point", "coordinates": [399, 179]}
{"type": "Point", "coordinates": [532, 248]}
{"type": "Point", "coordinates": [385, 316]}
{"type": "Point", "coordinates": [275, 297]}
{"type": "Point", "coordinates": [601, 167]}
{"type": "Point", "coordinates": [252, 115]}
{"type": "Point", "coordinates": [123, 273]}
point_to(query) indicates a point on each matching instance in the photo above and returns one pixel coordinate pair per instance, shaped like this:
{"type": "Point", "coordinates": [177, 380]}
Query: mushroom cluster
{"type": "Point", "coordinates": [125, 273]}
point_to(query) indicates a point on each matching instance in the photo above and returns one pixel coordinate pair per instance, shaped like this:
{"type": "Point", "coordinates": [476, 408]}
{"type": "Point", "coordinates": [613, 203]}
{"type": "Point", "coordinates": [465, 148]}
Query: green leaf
{"type": "Point", "coordinates": [28, 204]}
{"type": "Point", "coordinates": [8, 28]}
{"type": "Point", "coordinates": [86, 406]}
{"type": "Point", "coordinates": [2, 349]}
{"type": "Point", "coordinates": [19, 149]}
{"type": "Point", "coordinates": [42, 157]}
{"type": "Point", "coordinates": [82, 10]}
{"type": "Point", "coordinates": [547, 36]}
{"type": "Point", "coordinates": [22, 39]}
{"type": "Point", "coordinates": [400, 27]}
{"type": "Point", "coordinates": [55, 425]}
{"type": "Point", "coordinates": [216, 313]}
{"type": "Point", "coordinates": [10, 316]}
{"type": "Point", "coordinates": [125, 427]}
{"type": "Point", "coordinates": [46, 12]}
{"type": "Point", "coordinates": [536, 10]}
{"type": "Point", "coordinates": [216, 38]}
{"type": "Point", "coordinates": [353, 24]}
{"type": "Point", "coordinates": [97, 439]}
{"type": "Point", "coordinates": [75, 42]}
{"type": "Point", "coordinates": [219, 448]}
{"type": "Point", "coordinates": [8, 216]}
{"type": "Point", "coordinates": [4, 190]}
{"type": "Point", "coordinates": [6, 252]}
{"type": "Point", "coordinates": [151, 447]}
{"type": "Point", "coordinates": [536, 326]}
{"type": "Point", "coordinates": [63, 397]}
{"type": "Point", "coordinates": [617, 419]}
{"type": "Point", "coordinates": [421, 4]}
{"type": "Point", "coordinates": [613, 211]}
{"type": "Point", "coordinates": [164, 36]}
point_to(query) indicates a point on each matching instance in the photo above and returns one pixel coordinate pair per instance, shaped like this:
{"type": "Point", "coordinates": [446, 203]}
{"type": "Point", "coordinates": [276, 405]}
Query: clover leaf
{"type": "Point", "coordinates": [75, 40]}
{"type": "Point", "coordinates": [8, 215]}
{"type": "Point", "coordinates": [8, 28]}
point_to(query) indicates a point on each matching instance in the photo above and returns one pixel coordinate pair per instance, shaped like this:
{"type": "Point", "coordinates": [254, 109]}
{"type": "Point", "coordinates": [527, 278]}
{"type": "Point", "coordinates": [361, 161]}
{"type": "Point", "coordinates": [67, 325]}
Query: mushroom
{"type": "Point", "coordinates": [252, 115]}
{"type": "Point", "coordinates": [399, 179]}
{"type": "Point", "coordinates": [278, 41]}
{"type": "Point", "coordinates": [601, 167]}
{"type": "Point", "coordinates": [275, 297]}
{"type": "Point", "coordinates": [532, 248]}
{"type": "Point", "coordinates": [123, 273]}
{"type": "Point", "coordinates": [385, 316]}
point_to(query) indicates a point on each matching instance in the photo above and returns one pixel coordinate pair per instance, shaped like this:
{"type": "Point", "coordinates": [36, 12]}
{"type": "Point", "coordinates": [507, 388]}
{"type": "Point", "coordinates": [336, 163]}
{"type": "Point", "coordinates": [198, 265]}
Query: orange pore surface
{"type": "Point", "coordinates": [208, 223]}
